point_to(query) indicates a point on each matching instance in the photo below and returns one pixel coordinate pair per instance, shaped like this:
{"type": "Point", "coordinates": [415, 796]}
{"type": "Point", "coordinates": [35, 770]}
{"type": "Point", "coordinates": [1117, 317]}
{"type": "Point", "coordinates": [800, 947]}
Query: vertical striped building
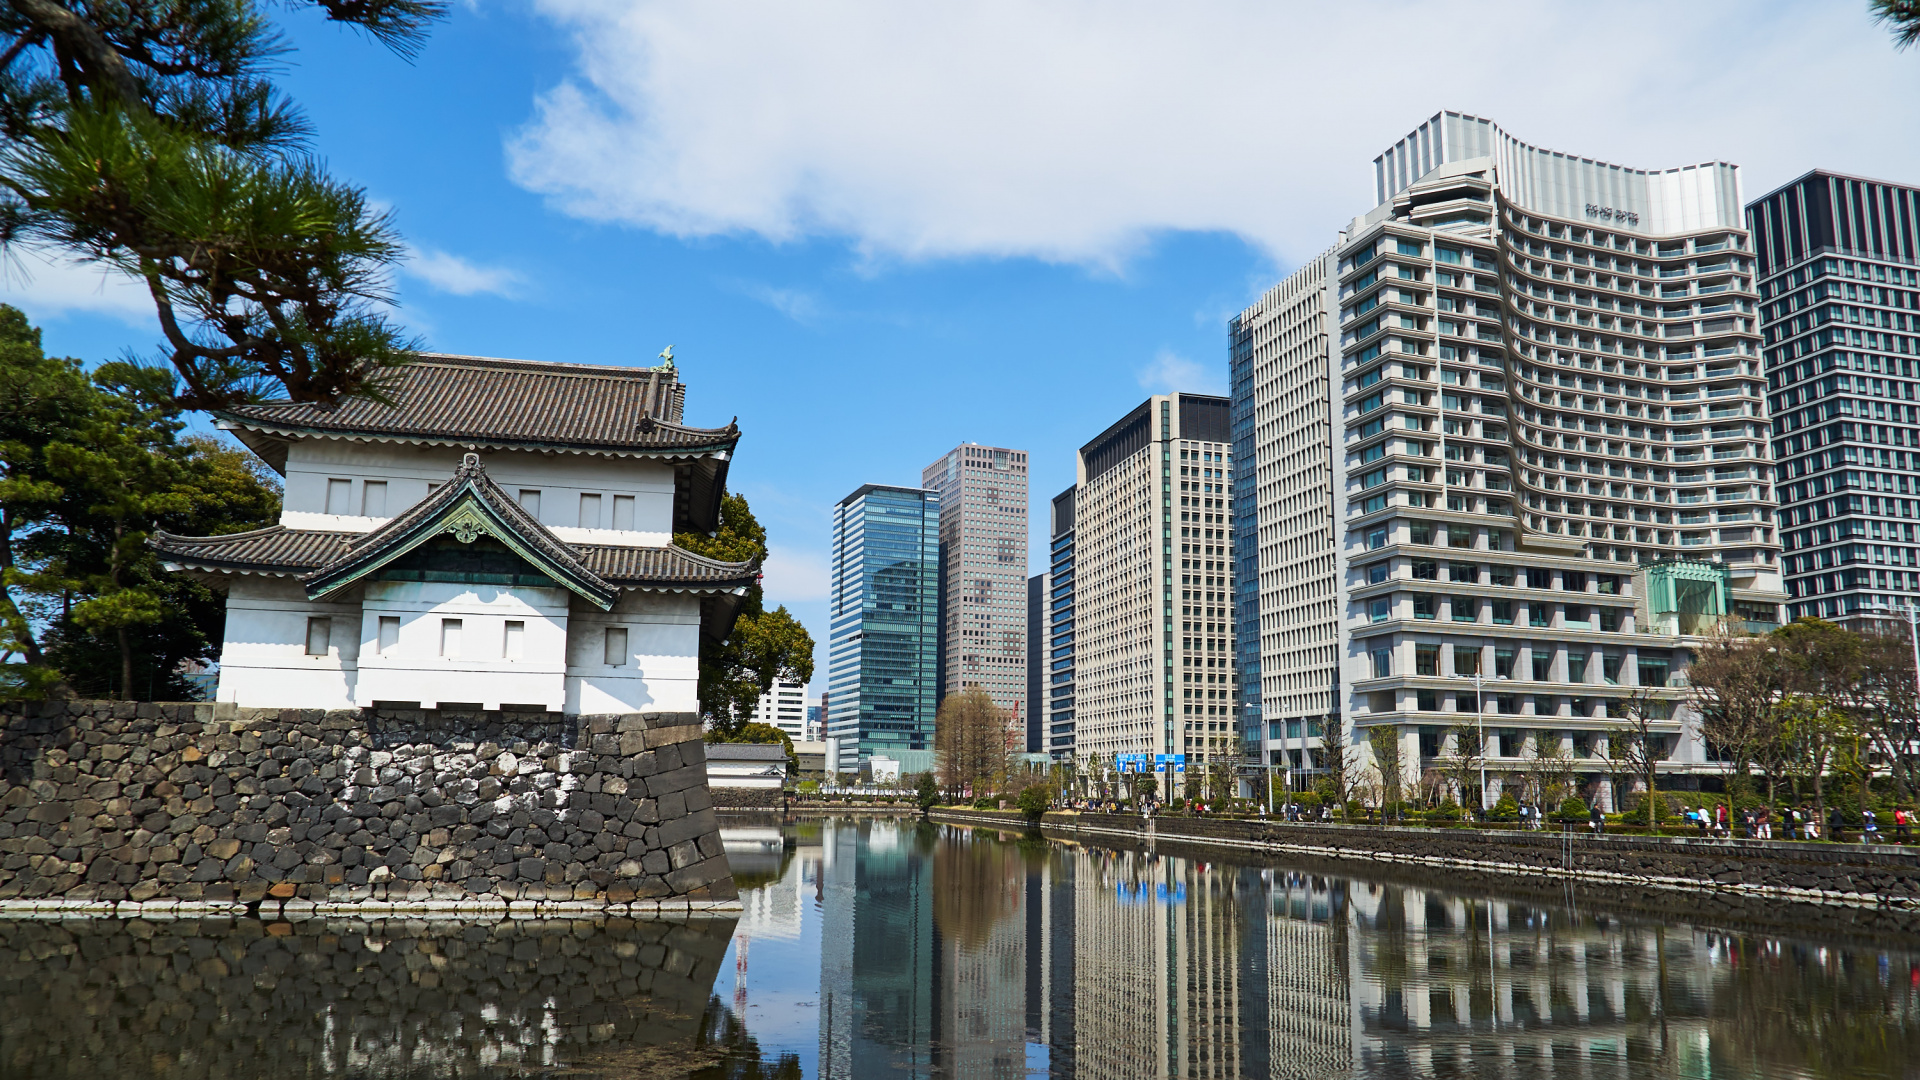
{"type": "Point", "coordinates": [1839, 273]}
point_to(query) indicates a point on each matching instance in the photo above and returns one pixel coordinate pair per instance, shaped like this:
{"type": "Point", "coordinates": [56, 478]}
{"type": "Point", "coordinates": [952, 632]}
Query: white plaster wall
{"type": "Point", "coordinates": [407, 470]}
{"type": "Point", "coordinates": [414, 668]}
{"type": "Point", "coordinates": [264, 660]}
{"type": "Point", "coordinates": [662, 672]}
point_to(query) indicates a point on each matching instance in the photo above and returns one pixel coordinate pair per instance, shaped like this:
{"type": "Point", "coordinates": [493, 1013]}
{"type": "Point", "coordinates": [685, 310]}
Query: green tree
{"type": "Point", "coordinates": [144, 137]}
{"type": "Point", "coordinates": [92, 466]}
{"type": "Point", "coordinates": [762, 646]}
{"type": "Point", "coordinates": [1034, 801]}
{"type": "Point", "coordinates": [1900, 16]}
{"type": "Point", "coordinates": [926, 791]}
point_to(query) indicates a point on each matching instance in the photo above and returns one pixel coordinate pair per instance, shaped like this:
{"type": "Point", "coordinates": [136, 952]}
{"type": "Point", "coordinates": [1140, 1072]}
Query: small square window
{"type": "Point", "coordinates": [616, 646]}
{"type": "Point", "coordinates": [389, 639]}
{"type": "Point", "coordinates": [319, 636]}
{"type": "Point", "coordinates": [450, 638]}
{"type": "Point", "coordinates": [513, 647]}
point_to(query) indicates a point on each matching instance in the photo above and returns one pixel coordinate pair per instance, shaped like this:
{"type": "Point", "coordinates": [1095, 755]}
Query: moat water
{"type": "Point", "coordinates": [880, 948]}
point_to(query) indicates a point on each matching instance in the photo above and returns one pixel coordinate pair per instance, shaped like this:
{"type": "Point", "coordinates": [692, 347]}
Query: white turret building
{"type": "Point", "coordinates": [499, 536]}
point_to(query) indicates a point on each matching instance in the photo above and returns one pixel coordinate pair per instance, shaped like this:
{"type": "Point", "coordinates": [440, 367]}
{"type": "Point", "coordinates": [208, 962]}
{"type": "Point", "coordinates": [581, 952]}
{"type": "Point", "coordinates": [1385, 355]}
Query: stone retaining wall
{"type": "Point", "coordinates": [124, 801]}
{"type": "Point", "coordinates": [1876, 874]}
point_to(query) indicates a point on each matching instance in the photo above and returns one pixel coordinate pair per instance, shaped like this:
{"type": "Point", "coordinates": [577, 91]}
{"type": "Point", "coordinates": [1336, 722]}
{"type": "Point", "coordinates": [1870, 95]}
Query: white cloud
{"type": "Point", "coordinates": [48, 288]}
{"type": "Point", "coordinates": [1171, 373]}
{"type": "Point", "coordinates": [452, 274]}
{"type": "Point", "coordinates": [797, 304]}
{"type": "Point", "coordinates": [794, 577]}
{"type": "Point", "coordinates": [1076, 130]}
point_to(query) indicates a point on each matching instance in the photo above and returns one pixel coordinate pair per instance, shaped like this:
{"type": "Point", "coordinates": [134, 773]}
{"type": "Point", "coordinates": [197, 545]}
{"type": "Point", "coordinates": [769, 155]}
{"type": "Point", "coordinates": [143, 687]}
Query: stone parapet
{"type": "Point", "coordinates": [115, 801]}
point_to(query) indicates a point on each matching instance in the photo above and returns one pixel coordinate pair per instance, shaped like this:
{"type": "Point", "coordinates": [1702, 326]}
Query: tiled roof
{"type": "Point", "coordinates": [329, 560]}
{"type": "Point", "coordinates": [273, 550]}
{"type": "Point", "coordinates": [733, 751]}
{"type": "Point", "coordinates": [507, 403]}
{"type": "Point", "coordinates": [430, 516]}
{"type": "Point", "coordinates": [662, 565]}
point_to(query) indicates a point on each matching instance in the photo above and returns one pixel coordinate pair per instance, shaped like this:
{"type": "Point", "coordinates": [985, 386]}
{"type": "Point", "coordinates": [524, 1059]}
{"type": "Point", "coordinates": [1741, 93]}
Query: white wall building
{"type": "Point", "coordinates": [1154, 640]}
{"type": "Point", "coordinates": [500, 536]}
{"type": "Point", "coordinates": [983, 576]}
{"type": "Point", "coordinates": [784, 707]}
{"type": "Point", "coordinates": [1545, 419]}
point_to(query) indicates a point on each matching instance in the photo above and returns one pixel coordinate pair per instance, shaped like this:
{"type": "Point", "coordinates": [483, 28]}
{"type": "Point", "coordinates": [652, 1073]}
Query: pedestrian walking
{"type": "Point", "coordinates": [1903, 823]}
{"type": "Point", "coordinates": [1834, 823]}
{"type": "Point", "coordinates": [1869, 827]}
{"type": "Point", "coordinates": [1749, 824]}
{"type": "Point", "coordinates": [1766, 823]}
{"type": "Point", "coordinates": [1596, 820]}
{"type": "Point", "coordinates": [1720, 821]}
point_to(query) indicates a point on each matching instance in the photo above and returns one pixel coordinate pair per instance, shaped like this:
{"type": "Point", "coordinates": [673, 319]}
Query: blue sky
{"type": "Point", "coordinates": [876, 231]}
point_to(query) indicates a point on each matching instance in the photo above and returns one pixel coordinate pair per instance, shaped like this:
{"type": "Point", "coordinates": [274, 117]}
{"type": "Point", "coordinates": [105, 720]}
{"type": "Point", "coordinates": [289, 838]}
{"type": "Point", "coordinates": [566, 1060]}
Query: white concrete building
{"type": "Point", "coordinates": [1154, 640]}
{"type": "Point", "coordinates": [1531, 385]}
{"type": "Point", "coordinates": [784, 707]}
{"type": "Point", "coordinates": [500, 536]}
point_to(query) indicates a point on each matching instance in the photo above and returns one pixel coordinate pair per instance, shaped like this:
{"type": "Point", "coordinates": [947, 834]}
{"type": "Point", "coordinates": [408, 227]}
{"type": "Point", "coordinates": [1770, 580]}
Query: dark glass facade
{"type": "Point", "coordinates": [1840, 316]}
{"type": "Point", "coordinates": [1246, 540]}
{"type": "Point", "coordinates": [883, 608]}
{"type": "Point", "coordinates": [1059, 639]}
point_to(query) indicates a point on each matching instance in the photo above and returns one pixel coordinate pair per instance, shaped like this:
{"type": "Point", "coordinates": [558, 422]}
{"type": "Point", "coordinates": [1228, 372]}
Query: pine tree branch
{"type": "Point", "coordinates": [80, 40]}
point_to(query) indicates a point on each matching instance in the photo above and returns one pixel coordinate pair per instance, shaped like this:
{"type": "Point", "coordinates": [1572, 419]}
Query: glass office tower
{"type": "Point", "coordinates": [1059, 657]}
{"type": "Point", "coordinates": [1840, 314]}
{"type": "Point", "coordinates": [883, 609]}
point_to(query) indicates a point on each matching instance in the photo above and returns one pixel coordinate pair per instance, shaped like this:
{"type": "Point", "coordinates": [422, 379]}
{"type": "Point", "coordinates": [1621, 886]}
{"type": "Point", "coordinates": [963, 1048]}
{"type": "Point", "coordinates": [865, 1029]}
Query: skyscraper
{"type": "Point", "coordinates": [1549, 460]}
{"type": "Point", "coordinates": [1036, 683]}
{"type": "Point", "coordinates": [1059, 654]}
{"type": "Point", "coordinates": [784, 707]}
{"type": "Point", "coordinates": [1153, 632]}
{"type": "Point", "coordinates": [883, 632]}
{"type": "Point", "coordinates": [1838, 298]}
{"type": "Point", "coordinates": [983, 575]}
{"type": "Point", "coordinates": [1288, 603]}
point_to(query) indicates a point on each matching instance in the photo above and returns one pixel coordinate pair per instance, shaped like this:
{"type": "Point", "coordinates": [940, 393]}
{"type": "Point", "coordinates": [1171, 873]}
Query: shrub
{"type": "Point", "coordinates": [809, 787]}
{"type": "Point", "coordinates": [1446, 811]}
{"type": "Point", "coordinates": [986, 802]}
{"type": "Point", "coordinates": [1179, 803]}
{"type": "Point", "coordinates": [1506, 808]}
{"type": "Point", "coordinates": [1574, 809]}
{"type": "Point", "coordinates": [926, 792]}
{"type": "Point", "coordinates": [1033, 802]}
{"type": "Point", "coordinates": [1308, 799]}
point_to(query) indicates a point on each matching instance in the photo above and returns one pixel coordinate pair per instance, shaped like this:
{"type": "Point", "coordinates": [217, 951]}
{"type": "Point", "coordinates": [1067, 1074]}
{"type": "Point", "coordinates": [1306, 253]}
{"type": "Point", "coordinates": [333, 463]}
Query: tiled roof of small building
{"type": "Point", "coordinates": [489, 402]}
{"type": "Point", "coordinates": [733, 751]}
{"type": "Point", "coordinates": [272, 550]}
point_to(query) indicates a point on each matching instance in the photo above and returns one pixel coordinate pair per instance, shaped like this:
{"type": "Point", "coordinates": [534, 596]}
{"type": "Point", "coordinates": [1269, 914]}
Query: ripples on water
{"type": "Point", "coordinates": [882, 948]}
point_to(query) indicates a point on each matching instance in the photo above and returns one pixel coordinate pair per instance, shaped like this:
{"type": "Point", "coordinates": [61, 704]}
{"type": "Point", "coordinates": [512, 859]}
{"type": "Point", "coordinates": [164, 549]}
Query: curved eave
{"type": "Point", "coordinates": [720, 447]}
{"type": "Point", "coordinates": [588, 587]}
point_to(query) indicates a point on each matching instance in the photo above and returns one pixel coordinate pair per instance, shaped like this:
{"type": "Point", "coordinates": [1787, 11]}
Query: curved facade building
{"type": "Point", "coordinates": [1550, 444]}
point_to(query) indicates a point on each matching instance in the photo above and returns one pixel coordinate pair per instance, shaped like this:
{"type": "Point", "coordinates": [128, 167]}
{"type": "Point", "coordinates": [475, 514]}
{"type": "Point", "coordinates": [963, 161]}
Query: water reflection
{"type": "Point", "coordinates": [899, 948]}
{"type": "Point", "coordinates": [198, 998]}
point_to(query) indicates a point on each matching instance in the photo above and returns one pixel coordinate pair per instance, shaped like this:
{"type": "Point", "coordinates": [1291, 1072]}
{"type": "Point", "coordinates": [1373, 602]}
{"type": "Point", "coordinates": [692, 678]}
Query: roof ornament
{"type": "Point", "coordinates": [469, 465]}
{"type": "Point", "coordinates": [647, 425]}
{"type": "Point", "coordinates": [667, 355]}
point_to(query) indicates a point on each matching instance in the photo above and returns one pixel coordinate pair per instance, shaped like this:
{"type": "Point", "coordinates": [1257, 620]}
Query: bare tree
{"type": "Point", "coordinates": [1734, 684]}
{"type": "Point", "coordinates": [1461, 763]}
{"type": "Point", "coordinates": [1549, 774]}
{"type": "Point", "coordinates": [1892, 725]}
{"type": "Point", "coordinates": [1385, 744]}
{"type": "Point", "coordinates": [1637, 746]}
{"type": "Point", "coordinates": [970, 732]}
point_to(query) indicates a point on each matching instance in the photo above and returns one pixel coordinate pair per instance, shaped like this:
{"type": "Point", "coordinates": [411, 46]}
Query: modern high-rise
{"type": "Point", "coordinates": [1036, 669]}
{"type": "Point", "coordinates": [1840, 314]}
{"type": "Point", "coordinates": [1059, 653]}
{"type": "Point", "coordinates": [1152, 553]}
{"type": "Point", "coordinates": [1289, 603]}
{"type": "Point", "coordinates": [983, 576]}
{"type": "Point", "coordinates": [784, 707]}
{"type": "Point", "coordinates": [883, 624]}
{"type": "Point", "coordinates": [1549, 459]}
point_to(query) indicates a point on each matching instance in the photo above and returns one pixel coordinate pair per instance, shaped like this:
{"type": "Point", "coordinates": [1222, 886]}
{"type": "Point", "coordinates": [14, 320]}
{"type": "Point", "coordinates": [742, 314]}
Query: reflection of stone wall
{"type": "Point", "coordinates": [394, 997]}
{"type": "Point", "coordinates": [121, 801]}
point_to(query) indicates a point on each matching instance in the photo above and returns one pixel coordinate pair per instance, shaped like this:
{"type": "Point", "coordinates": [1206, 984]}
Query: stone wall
{"type": "Point", "coordinates": [227, 997]}
{"type": "Point", "coordinates": [1876, 874]}
{"type": "Point", "coordinates": [148, 802]}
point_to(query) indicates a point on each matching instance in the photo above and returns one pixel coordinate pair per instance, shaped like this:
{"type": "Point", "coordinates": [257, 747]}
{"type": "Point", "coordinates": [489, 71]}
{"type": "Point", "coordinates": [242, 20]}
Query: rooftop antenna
{"type": "Point", "coordinates": [667, 355]}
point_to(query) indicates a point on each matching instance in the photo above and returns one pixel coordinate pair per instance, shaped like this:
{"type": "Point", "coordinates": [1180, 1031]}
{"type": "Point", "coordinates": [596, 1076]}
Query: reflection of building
{"type": "Point", "coordinates": [1158, 968]}
{"type": "Point", "coordinates": [883, 607]}
{"type": "Point", "coordinates": [877, 985]}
